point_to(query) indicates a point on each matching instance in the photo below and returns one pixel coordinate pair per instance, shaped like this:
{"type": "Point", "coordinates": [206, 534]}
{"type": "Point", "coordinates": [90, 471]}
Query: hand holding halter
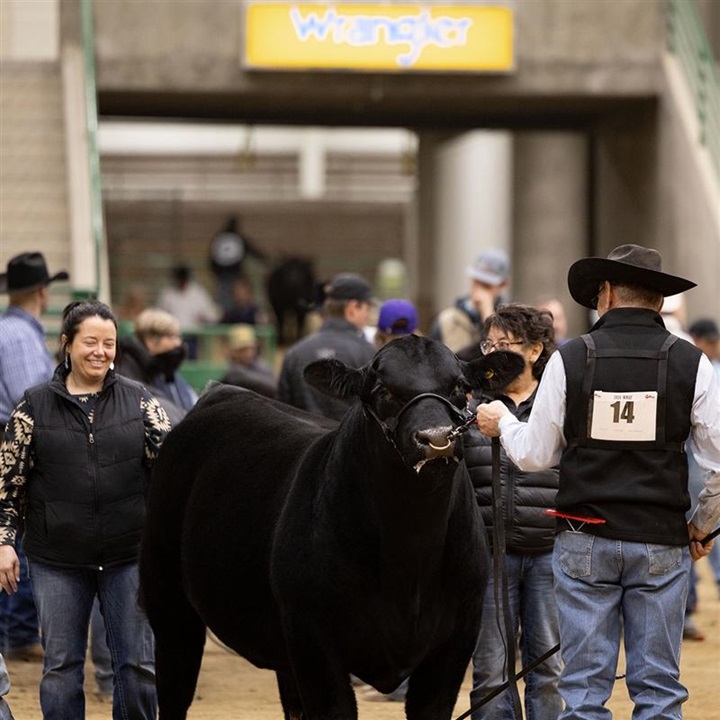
{"type": "Point", "coordinates": [710, 537]}
{"type": "Point", "coordinates": [700, 546]}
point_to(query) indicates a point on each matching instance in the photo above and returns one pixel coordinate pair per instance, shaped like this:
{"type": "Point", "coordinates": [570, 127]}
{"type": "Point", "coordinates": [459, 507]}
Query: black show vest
{"type": "Point", "coordinates": [638, 487]}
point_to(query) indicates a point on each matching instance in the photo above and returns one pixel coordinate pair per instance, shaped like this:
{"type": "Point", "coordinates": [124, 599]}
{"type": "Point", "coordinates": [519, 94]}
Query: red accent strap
{"type": "Point", "coordinates": [579, 518]}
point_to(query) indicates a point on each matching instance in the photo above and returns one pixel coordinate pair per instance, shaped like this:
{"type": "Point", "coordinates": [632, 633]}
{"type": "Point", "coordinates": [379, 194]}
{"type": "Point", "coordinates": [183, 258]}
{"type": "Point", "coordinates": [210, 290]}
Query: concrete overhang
{"type": "Point", "coordinates": [430, 110]}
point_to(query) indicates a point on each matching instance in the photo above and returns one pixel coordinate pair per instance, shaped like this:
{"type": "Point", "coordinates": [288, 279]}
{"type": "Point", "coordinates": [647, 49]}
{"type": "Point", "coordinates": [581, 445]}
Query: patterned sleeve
{"type": "Point", "coordinates": [15, 463]}
{"type": "Point", "coordinates": [157, 426]}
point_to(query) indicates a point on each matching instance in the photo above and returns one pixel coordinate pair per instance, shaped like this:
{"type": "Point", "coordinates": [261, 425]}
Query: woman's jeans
{"type": "Point", "coordinates": [64, 598]}
{"type": "Point", "coordinates": [5, 713]}
{"type": "Point", "coordinates": [533, 609]}
{"type": "Point", "coordinates": [608, 588]}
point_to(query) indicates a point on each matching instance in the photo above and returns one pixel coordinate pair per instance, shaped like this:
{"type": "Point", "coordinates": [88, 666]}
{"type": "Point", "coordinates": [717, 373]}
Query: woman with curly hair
{"type": "Point", "coordinates": [529, 531]}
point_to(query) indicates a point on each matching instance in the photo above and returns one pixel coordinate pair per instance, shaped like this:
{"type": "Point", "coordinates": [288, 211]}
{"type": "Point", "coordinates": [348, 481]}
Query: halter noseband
{"type": "Point", "coordinates": [389, 426]}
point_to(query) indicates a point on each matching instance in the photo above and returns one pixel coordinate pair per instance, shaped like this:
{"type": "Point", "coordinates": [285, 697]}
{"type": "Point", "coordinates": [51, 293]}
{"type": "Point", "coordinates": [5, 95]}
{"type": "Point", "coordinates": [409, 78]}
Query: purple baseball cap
{"type": "Point", "coordinates": [397, 317]}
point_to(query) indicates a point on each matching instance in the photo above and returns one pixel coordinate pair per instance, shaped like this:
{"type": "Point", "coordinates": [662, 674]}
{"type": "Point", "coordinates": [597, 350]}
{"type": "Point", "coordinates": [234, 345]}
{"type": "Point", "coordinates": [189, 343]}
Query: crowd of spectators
{"type": "Point", "coordinates": [92, 372]}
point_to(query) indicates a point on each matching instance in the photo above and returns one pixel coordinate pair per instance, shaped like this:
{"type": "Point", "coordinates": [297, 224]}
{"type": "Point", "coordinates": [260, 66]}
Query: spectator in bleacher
{"type": "Point", "coordinates": [187, 300]}
{"type": "Point", "coordinates": [153, 356]}
{"type": "Point", "coordinates": [24, 362]}
{"type": "Point", "coordinates": [242, 308]}
{"type": "Point", "coordinates": [246, 368]}
{"type": "Point", "coordinates": [228, 251]}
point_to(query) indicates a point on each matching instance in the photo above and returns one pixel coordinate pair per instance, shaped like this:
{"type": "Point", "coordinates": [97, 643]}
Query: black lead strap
{"type": "Point", "coordinates": [505, 685]}
{"type": "Point", "coordinates": [500, 578]}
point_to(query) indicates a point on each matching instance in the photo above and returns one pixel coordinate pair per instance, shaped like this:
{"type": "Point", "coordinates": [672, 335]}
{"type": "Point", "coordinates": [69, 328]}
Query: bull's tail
{"type": "Point", "coordinates": [179, 631]}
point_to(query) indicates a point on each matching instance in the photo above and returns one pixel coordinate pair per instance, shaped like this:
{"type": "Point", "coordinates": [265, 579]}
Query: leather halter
{"type": "Point", "coordinates": [389, 426]}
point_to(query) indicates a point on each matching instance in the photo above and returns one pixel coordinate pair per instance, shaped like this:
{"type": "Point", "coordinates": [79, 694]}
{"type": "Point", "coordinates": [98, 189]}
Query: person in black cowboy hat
{"type": "Point", "coordinates": [24, 362]}
{"type": "Point", "coordinates": [616, 408]}
{"type": "Point", "coordinates": [24, 358]}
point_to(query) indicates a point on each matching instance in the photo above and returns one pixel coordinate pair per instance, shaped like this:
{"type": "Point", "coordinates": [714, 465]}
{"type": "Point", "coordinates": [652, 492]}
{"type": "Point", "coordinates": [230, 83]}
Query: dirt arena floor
{"type": "Point", "coordinates": [231, 688]}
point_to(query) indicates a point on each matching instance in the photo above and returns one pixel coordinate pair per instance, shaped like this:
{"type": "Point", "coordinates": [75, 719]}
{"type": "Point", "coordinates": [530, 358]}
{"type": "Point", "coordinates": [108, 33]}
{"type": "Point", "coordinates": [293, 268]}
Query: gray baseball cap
{"type": "Point", "coordinates": [491, 267]}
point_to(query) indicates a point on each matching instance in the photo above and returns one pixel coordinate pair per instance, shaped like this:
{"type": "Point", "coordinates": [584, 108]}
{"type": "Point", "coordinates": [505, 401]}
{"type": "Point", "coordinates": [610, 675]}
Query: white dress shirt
{"type": "Point", "coordinates": [539, 443]}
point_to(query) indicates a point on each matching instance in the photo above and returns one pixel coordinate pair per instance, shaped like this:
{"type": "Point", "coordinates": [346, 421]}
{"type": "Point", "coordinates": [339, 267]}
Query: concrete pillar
{"type": "Point", "coordinates": [30, 30]}
{"type": "Point", "coordinates": [550, 218]}
{"type": "Point", "coordinates": [312, 165]}
{"type": "Point", "coordinates": [465, 196]}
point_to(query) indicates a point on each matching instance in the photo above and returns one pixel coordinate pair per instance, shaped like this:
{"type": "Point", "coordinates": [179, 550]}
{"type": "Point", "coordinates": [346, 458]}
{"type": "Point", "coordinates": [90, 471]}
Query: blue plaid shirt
{"type": "Point", "coordinates": [24, 358]}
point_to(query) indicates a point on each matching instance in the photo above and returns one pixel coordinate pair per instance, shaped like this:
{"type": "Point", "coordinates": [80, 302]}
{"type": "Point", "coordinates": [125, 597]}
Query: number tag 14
{"type": "Point", "coordinates": [624, 416]}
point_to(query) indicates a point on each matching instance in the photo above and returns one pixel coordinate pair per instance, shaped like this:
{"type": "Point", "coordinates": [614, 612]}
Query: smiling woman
{"type": "Point", "coordinates": [89, 348]}
{"type": "Point", "coordinates": [76, 458]}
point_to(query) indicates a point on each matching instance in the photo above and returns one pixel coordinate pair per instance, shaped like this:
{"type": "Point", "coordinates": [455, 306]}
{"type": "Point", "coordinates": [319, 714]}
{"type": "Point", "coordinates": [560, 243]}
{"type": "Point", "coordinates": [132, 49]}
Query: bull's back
{"type": "Point", "coordinates": [218, 488]}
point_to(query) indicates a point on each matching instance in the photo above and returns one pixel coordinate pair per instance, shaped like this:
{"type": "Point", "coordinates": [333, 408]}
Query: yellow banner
{"type": "Point", "coordinates": [378, 37]}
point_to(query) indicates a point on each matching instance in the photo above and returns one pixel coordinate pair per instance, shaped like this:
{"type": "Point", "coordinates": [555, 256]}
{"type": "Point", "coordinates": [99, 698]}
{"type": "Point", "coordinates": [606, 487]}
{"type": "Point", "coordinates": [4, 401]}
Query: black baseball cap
{"type": "Point", "coordinates": [348, 286]}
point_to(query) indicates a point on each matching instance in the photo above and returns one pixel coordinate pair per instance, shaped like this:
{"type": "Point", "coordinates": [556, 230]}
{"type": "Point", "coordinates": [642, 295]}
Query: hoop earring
{"type": "Point", "coordinates": [67, 361]}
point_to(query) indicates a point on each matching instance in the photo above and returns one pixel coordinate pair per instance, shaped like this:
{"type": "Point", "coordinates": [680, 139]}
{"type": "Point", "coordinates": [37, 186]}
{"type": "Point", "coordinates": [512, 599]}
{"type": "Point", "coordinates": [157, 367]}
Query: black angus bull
{"type": "Point", "coordinates": [320, 550]}
{"type": "Point", "coordinates": [291, 293]}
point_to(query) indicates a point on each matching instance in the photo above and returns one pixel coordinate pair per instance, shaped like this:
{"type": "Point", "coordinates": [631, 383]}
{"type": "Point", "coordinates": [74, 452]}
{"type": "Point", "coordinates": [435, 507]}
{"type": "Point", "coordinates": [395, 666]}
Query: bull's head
{"type": "Point", "coordinates": [417, 391]}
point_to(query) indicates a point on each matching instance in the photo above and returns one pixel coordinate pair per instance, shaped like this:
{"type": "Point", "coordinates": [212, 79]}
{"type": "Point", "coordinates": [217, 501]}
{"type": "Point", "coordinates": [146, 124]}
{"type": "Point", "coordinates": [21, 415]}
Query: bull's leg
{"type": "Point", "coordinates": [300, 322]}
{"type": "Point", "coordinates": [289, 697]}
{"type": "Point", "coordinates": [322, 680]}
{"type": "Point", "coordinates": [434, 685]}
{"type": "Point", "coordinates": [179, 643]}
{"type": "Point", "coordinates": [280, 324]}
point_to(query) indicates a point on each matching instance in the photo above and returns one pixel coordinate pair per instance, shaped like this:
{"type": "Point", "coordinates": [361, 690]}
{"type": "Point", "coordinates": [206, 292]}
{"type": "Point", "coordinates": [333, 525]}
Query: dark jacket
{"type": "Point", "coordinates": [85, 502]}
{"type": "Point", "coordinates": [525, 495]}
{"type": "Point", "coordinates": [256, 377]}
{"type": "Point", "coordinates": [638, 487]}
{"type": "Point", "coordinates": [336, 338]}
{"type": "Point", "coordinates": [175, 395]}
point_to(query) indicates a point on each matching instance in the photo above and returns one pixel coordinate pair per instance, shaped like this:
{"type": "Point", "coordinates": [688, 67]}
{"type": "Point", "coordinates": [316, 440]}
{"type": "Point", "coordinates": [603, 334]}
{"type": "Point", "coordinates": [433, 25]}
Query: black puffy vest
{"type": "Point", "coordinates": [638, 487]}
{"type": "Point", "coordinates": [526, 495]}
{"type": "Point", "coordinates": [85, 493]}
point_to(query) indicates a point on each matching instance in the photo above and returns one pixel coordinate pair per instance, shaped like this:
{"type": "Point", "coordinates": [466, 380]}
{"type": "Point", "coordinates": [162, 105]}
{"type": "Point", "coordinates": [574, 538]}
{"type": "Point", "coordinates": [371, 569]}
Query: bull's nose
{"type": "Point", "coordinates": [435, 441]}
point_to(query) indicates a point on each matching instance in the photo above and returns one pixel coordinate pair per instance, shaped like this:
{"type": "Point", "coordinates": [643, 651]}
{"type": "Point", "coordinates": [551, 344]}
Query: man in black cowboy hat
{"type": "Point", "coordinates": [616, 408]}
{"type": "Point", "coordinates": [24, 362]}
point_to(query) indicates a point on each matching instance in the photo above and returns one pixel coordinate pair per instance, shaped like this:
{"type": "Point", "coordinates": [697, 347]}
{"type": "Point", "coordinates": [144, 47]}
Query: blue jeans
{"type": "Point", "coordinates": [18, 616]}
{"type": "Point", "coordinates": [533, 609]}
{"type": "Point", "coordinates": [100, 652]}
{"type": "Point", "coordinates": [5, 713]}
{"type": "Point", "coordinates": [605, 588]}
{"type": "Point", "coordinates": [65, 600]}
{"type": "Point", "coordinates": [714, 558]}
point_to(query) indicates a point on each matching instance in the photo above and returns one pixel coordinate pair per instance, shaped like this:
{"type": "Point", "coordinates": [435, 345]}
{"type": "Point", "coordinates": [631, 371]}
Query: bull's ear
{"type": "Point", "coordinates": [333, 377]}
{"type": "Point", "coordinates": [493, 371]}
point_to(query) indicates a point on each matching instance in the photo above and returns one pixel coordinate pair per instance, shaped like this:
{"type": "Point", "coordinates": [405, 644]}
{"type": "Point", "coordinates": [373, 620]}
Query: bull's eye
{"type": "Point", "coordinates": [381, 394]}
{"type": "Point", "coordinates": [489, 374]}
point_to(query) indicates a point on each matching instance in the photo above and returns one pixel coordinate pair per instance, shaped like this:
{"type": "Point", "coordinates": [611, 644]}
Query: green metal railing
{"type": "Point", "coordinates": [96, 212]}
{"type": "Point", "coordinates": [688, 42]}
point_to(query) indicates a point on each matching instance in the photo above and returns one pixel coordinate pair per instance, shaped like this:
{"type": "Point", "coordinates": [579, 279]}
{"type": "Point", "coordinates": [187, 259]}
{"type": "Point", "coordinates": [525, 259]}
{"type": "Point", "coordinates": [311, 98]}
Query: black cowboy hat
{"type": "Point", "coordinates": [26, 272]}
{"type": "Point", "coordinates": [630, 264]}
